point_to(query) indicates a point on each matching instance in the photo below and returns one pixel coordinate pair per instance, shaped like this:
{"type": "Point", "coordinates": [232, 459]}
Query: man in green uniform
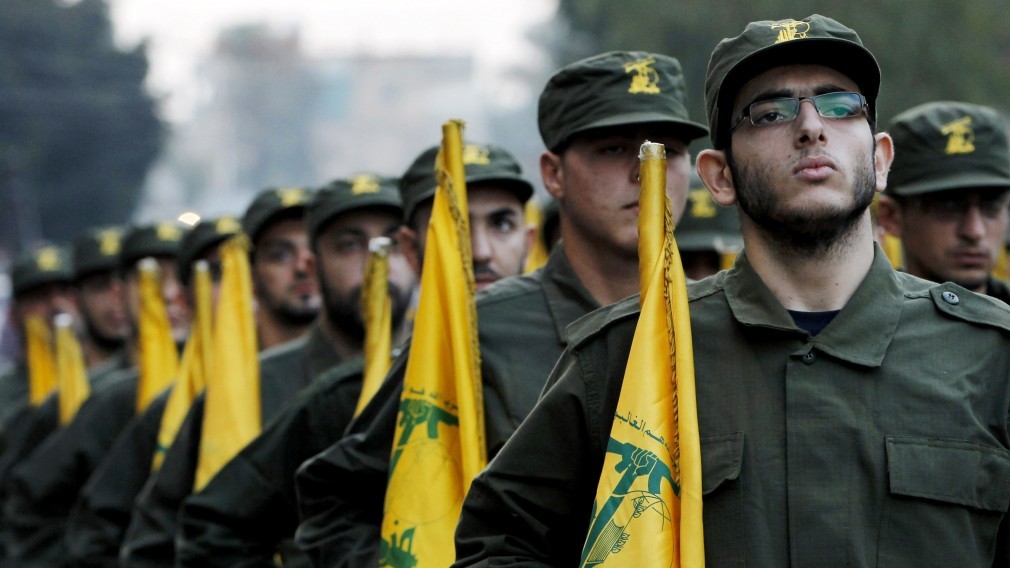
{"type": "Point", "coordinates": [593, 116]}
{"type": "Point", "coordinates": [42, 489]}
{"type": "Point", "coordinates": [837, 426]}
{"type": "Point", "coordinates": [249, 509]}
{"type": "Point", "coordinates": [98, 287]}
{"type": "Point", "coordinates": [948, 194]}
{"type": "Point", "coordinates": [708, 235]}
{"type": "Point", "coordinates": [341, 219]}
{"type": "Point", "coordinates": [41, 282]}
{"type": "Point", "coordinates": [102, 510]}
{"type": "Point", "coordinates": [284, 282]}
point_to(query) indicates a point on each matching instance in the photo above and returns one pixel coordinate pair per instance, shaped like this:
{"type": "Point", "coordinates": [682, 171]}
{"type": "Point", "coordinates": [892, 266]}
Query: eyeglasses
{"type": "Point", "coordinates": [780, 111]}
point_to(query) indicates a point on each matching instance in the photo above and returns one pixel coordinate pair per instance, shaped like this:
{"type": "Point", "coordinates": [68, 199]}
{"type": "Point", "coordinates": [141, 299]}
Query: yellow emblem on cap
{"type": "Point", "coordinates": [476, 155]}
{"type": "Point", "coordinates": [960, 136]}
{"type": "Point", "coordinates": [702, 206]}
{"type": "Point", "coordinates": [646, 79]}
{"type": "Point", "coordinates": [291, 196]}
{"type": "Point", "coordinates": [364, 183]}
{"type": "Point", "coordinates": [791, 30]}
{"type": "Point", "coordinates": [109, 241]}
{"type": "Point", "coordinates": [227, 225]}
{"type": "Point", "coordinates": [47, 259]}
{"type": "Point", "coordinates": [167, 231]}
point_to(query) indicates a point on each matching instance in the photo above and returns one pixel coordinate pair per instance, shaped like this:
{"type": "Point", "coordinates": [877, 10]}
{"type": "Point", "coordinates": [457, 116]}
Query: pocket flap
{"type": "Point", "coordinates": [721, 457]}
{"type": "Point", "coordinates": [949, 470]}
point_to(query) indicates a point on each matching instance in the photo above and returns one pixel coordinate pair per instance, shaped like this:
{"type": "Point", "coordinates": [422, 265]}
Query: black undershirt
{"type": "Point", "coordinates": [813, 322]}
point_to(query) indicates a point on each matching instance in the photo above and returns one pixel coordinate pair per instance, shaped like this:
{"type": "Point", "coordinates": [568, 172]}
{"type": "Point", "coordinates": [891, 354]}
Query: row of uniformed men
{"type": "Point", "coordinates": [594, 115]}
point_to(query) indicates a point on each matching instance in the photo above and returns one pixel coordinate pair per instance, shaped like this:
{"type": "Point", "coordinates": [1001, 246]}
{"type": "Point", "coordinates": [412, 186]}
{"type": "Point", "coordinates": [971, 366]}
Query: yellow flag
{"type": "Point", "coordinates": [892, 249]}
{"type": "Point", "coordinates": [378, 315]}
{"type": "Point", "coordinates": [648, 502]}
{"type": "Point", "coordinates": [159, 357]}
{"type": "Point", "coordinates": [74, 388]}
{"type": "Point", "coordinates": [537, 256]}
{"type": "Point", "coordinates": [41, 367]}
{"type": "Point", "coordinates": [1002, 268]}
{"type": "Point", "coordinates": [439, 445]}
{"type": "Point", "coordinates": [194, 368]}
{"type": "Point", "coordinates": [231, 417]}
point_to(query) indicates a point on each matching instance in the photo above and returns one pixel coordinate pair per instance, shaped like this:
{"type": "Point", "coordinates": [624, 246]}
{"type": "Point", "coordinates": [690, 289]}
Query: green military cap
{"type": "Point", "coordinates": [49, 264]}
{"type": "Point", "coordinates": [204, 235]}
{"type": "Point", "coordinates": [482, 163]}
{"type": "Point", "coordinates": [97, 250]}
{"type": "Point", "coordinates": [706, 225]}
{"type": "Point", "coordinates": [271, 204]}
{"type": "Point", "coordinates": [363, 191]}
{"type": "Point", "coordinates": [156, 239]}
{"type": "Point", "coordinates": [948, 145]}
{"type": "Point", "coordinates": [613, 89]}
{"type": "Point", "coordinates": [762, 45]}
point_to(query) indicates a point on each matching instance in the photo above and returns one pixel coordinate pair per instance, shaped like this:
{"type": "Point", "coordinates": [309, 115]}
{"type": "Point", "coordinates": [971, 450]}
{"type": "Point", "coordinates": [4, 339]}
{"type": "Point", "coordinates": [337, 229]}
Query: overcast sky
{"type": "Point", "coordinates": [180, 31]}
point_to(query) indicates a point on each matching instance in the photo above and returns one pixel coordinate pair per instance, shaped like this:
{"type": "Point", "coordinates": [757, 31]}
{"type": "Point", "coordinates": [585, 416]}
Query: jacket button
{"type": "Point", "coordinates": [951, 298]}
{"type": "Point", "coordinates": [809, 358]}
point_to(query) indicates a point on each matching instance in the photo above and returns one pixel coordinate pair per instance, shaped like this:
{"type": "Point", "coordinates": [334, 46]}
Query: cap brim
{"type": "Point", "coordinates": [689, 130]}
{"type": "Point", "coordinates": [960, 181]}
{"type": "Point", "coordinates": [516, 184]}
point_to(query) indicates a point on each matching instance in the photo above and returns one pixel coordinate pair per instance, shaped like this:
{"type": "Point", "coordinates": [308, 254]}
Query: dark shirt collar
{"type": "Point", "coordinates": [567, 298]}
{"type": "Point", "coordinates": [860, 333]}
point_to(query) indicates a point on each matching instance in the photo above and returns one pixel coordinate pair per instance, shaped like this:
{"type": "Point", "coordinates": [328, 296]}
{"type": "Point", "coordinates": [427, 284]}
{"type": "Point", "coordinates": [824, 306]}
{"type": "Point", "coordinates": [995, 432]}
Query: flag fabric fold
{"type": "Point", "coordinates": [232, 414]}
{"type": "Point", "coordinates": [439, 444]}
{"type": "Point", "coordinates": [71, 375]}
{"type": "Point", "coordinates": [193, 369]}
{"type": "Point", "coordinates": [42, 379]}
{"type": "Point", "coordinates": [159, 357]}
{"type": "Point", "coordinates": [648, 507]}
{"type": "Point", "coordinates": [377, 309]}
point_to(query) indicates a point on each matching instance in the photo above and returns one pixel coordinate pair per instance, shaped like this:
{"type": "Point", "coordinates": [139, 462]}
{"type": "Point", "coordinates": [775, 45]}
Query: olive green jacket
{"type": "Point", "coordinates": [882, 441]}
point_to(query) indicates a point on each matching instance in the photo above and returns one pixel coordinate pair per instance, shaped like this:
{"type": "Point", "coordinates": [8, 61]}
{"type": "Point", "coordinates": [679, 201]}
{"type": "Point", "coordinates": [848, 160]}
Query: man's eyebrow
{"type": "Point", "coordinates": [791, 93]}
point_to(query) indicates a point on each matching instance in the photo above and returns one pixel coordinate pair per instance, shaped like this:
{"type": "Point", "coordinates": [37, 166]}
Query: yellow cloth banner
{"type": "Point", "coordinates": [41, 367]}
{"type": "Point", "coordinates": [648, 509]}
{"type": "Point", "coordinates": [194, 368]}
{"type": "Point", "coordinates": [71, 374]}
{"type": "Point", "coordinates": [439, 444]}
{"type": "Point", "coordinates": [159, 357]}
{"type": "Point", "coordinates": [377, 308]}
{"type": "Point", "coordinates": [232, 414]}
{"type": "Point", "coordinates": [1002, 268]}
{"type": "Point", "coordinates": [537, 256]}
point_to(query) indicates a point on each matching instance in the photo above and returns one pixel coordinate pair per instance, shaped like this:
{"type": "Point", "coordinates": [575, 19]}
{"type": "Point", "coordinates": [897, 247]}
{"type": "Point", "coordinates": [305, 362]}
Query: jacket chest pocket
{"type": "Point", "coordinates": [945, 503]}
{"type": "Point", "coordinates": [721, 459]}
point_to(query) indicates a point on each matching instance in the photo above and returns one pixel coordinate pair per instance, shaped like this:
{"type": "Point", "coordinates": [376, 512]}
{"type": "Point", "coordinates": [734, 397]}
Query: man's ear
{"type": "Point", "coordinates": [552, 174]}
{"type": "Point", "coordinates": [410, 248]}
{"type": "Point", "coordinates": [889, 215]}
{"type": "Point", "coordinates": [713, 169]}
{"type": "Point", "coordinates": [883, 155]}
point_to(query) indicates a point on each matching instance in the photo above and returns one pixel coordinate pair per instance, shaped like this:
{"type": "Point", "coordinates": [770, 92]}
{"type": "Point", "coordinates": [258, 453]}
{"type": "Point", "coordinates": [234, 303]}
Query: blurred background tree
{"type": "Point", "coordinates": [77, 129]}
{"type": "Point", "coordinates": [927, 49]}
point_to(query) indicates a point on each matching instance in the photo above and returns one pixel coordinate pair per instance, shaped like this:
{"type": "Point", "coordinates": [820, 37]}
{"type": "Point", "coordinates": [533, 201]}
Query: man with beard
{"type": "Point", "coordinates": [341, 219]}
{"type": "Point", "coordinates": [837, 426]}
{"type": "Point", "coordinates": [98, 282]}
{"type": "Point", "coordinates": [41, 490]}
{"type": "Point", "coordinates": [948, 193]}
{"type": "Point", "coordinates": [248, 511]}
{"type": "Point", "coordinates": [593, 116]}
{"type": "Point", "coordinates": [284, 283]}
